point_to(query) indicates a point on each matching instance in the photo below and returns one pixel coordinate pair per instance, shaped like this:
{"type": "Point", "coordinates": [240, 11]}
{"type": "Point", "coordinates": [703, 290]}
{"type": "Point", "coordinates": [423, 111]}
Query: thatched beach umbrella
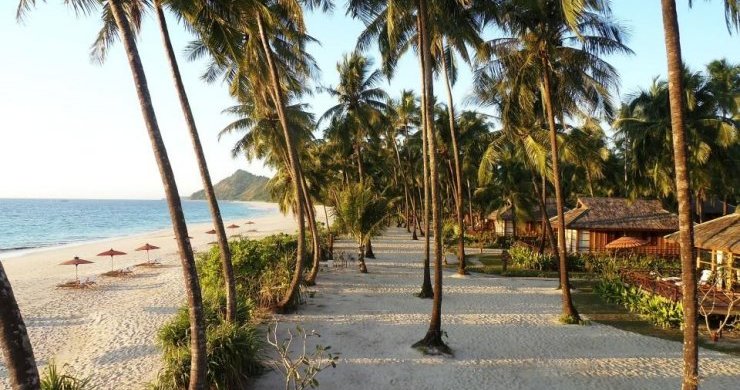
{"type": "Point", "coordinates": [233, 226]}
{"type": "Point", "coordinates": [625, 242]}
{"type": "Point", "coordinates": [147, 247]}
{"type": "Point", "coordinates": [76, 262]}
{"type": "Point", "coordinates": [212, 231]}
{"type": "Point", "coordinates": [111, 252]}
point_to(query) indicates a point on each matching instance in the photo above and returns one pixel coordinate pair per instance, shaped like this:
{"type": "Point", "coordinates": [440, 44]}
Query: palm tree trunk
{"type": "Point", "coordinates": [470, 203]}
{"type": "Point", "coordinates": [570, 314]}
{"type": "Point", "coordinates": [360, 169]}
{"type": "Point", "coordinates": [295, 167]}
{"type": "Point", "coordinates": [315, 239]}
{"type": "Point", "coordinates": [432, 341]}
{"type": "Point", "coordinates": [369, 250]}
{"type": "Point", "coordinates": [361, 257]}
{"type": "Point", "coordinates": [426, 284]}
{"type": "Point", "coordinates": [14, 342]}
{"type": "Point", "coordinates": [683, 194]}
{"type": "Point", "coordinates": [405, 184]}
{"type": "Point", "coordinates": [415, 221]}
{"type": "Point", "coordinates": [223, 243]}
{"type": "Point", "coordinates": [192, 285]}
{"type": "Point", "coordinates": [458, 171]}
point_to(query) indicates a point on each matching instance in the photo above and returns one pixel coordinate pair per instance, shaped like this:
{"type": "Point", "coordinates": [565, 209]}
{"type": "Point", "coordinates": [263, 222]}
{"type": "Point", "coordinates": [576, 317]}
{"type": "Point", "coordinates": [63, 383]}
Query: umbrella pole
{"type": "Point", "coordinates": [147, 256]}
{"type": "Point", "coordinates": [76, 277]}
{"type": "Point", "coordinates": [111, 263]}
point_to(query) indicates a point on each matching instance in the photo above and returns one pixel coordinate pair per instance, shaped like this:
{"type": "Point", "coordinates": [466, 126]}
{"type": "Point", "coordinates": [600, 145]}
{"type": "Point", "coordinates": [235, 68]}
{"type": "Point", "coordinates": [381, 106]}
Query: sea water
{"type": "Point", "coordinates": [35, 223]}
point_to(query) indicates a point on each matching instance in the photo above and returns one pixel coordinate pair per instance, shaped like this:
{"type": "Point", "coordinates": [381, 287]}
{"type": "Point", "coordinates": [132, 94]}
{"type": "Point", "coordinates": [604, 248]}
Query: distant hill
{"type": "Point", "coordinates": [242, 185]}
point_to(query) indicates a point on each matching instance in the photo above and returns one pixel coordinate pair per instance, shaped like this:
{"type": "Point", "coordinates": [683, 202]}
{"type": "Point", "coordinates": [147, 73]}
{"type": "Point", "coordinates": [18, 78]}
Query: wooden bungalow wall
{"type": "Point", "coordinates": [658, 245]}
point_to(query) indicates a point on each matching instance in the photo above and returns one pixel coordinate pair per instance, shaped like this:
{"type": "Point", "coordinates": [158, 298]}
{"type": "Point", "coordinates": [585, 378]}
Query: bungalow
{"type": "Point", "coordinates": [596, 222]}
{"type": "Point", "coordinates": [506, 222]}
{"type": "Point", "coordinates": [718, 244]}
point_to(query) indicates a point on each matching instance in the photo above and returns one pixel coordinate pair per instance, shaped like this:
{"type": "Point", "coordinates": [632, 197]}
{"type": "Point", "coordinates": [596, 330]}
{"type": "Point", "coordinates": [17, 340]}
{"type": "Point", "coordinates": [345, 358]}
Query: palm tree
{"type": "Point", "coordinates": [683, 190]}
{"type": "Point", "coordinates": [223, 243]}
{"type": "Point", "coordinates": [360, 212]}
{"type": "Point", "coordinates": [455, 28]}
{"type": "Point", "coordinates": [251, 54]}
{"type": "Point", "coordinates": [643, 128]}
{"type": "Point", "coordinates": [121, 12]}
{"type": "Point", "coordinates": [263, 140]}
{"type": "Point", "coordinates": [432, 341]}
{"type": "Point", "coordinates": [14, 342]}
{"type": "Point", "coordinates": [568, 71]}
{"type": "Point", "coordinates": [360, 101]}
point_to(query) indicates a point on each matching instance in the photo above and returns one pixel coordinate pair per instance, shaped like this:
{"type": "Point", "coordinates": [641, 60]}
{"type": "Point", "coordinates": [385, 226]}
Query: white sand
{"type": "Point", "coordinates": [108, 332]}
{"type": "Point", "coordinates": [504, 333]}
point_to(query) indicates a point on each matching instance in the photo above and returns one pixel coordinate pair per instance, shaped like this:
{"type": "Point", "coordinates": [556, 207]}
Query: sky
{"type": "Point", "coordinates": [70, 128]}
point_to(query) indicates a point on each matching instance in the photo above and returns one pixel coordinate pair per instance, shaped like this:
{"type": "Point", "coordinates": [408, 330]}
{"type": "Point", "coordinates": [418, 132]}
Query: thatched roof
{"type": "Point", "coordinates": [721, 234]}
{"type": "Point", "coordinates": [620, 214]}
{"type": "Point", "coordinates": [506, 213]}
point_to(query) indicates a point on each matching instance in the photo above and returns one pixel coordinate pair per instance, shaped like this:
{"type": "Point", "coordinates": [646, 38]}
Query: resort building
{"type": "Point", "coordinates": [596, 222]}
{"type": "Point", "coordinates": [718, 249]}
{"type": "Point", "coordinates": [507, 221]}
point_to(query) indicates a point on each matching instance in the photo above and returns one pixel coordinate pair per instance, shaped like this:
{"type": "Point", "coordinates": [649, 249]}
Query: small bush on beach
{"type": "Point", "coordinates": [233, 356]}
{"type": "Point", "coordinates": [54, 379]}
{"type": "Point", "coordinates": [262, 270]}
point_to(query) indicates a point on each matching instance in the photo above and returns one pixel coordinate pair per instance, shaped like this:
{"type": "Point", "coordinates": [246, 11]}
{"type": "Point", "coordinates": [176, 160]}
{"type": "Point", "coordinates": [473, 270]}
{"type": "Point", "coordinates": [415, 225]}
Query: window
{"type": "Point", "coordinates": [584, 240]}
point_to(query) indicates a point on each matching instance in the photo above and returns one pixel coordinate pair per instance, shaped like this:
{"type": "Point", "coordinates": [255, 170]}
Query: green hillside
{"type": "Point", "coordinates": [242, 185]}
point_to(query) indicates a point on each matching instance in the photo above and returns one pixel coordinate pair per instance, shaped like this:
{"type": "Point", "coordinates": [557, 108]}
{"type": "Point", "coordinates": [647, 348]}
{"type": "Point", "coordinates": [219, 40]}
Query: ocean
{"type": "Point", "coordinates": [35, 223]}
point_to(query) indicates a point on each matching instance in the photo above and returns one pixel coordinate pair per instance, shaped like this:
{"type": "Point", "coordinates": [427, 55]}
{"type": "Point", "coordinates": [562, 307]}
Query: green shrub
{"type": "Point", "coordinates": [54, 379]}
{"type": "Point", "coordinates": [232, 355]}
{"type": "Point", "coordinates": [259, 266]}
{"type": "Point", "coordinates": [523, 257]}
{"type": "Point", "coordinates": [660, 311]}
{"type": "Point", "coordinates": [262, 271]}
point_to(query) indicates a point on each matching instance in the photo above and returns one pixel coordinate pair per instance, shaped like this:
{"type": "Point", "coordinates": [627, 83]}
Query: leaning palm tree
{"type": "Point", "coordinates": [361, 213]}
{"type": "Point", "coordinates": [99, 53]}
{"type": "Point", "coordinates": [683, 190]}
{"type": "Point", "coordinates": [124, 13]}
{"type": "Point", "coordinates": [251, 55]}
{"type": "Point", "coordinates": [14, 342]}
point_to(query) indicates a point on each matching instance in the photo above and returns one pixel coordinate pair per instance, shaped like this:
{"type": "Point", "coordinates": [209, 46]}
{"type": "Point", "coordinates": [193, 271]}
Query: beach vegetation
{"type": "Point", "coordinates": [299, 365]}
{"type": "Point", "coordinates": [360, 212]}
{"type": "Point", "coordinates": [54, 378]}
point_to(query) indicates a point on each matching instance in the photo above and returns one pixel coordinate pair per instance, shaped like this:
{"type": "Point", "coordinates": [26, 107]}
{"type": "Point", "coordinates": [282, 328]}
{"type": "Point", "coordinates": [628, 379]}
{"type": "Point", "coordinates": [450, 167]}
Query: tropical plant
{"type": "Point", "coordinates": [300, 371]}
{"type": "Point", "coordinates": [55, 379]}
{"type": "Point", "coordinates": [361, 213]}
{"type": "Point", "coordinates": [544, 57]}
{"type": "Point", "coordinates": [690, 378]}
{"type": "Point", "coordinates": [125, 16]}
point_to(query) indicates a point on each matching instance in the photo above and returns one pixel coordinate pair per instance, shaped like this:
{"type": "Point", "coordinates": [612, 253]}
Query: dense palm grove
{"type": "Point", "coordinates": [418, 158]}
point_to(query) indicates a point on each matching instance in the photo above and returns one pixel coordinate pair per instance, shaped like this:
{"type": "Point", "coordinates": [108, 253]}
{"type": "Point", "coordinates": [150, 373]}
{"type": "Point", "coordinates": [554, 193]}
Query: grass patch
{"type": "Point", "coordinates": [491, 265]}
{"type": "Point", "coordinates": [590, 304]}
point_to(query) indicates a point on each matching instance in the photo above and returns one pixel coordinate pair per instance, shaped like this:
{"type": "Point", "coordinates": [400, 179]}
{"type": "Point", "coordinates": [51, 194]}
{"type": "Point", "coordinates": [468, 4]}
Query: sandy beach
{"type": "Point", "coordinates": [504, 331]}
{"type": "Point", "coordinates": [108, 332]}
